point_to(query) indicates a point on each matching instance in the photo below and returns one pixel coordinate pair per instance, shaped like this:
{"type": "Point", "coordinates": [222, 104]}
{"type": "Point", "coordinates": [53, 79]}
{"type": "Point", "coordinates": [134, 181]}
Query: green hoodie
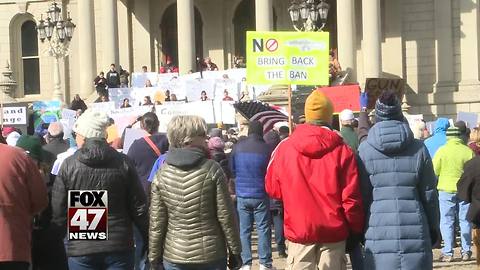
{"type": "Point", "coordinates": [350, 137]}
{"type": "Point", "coordinates": [448, 163]}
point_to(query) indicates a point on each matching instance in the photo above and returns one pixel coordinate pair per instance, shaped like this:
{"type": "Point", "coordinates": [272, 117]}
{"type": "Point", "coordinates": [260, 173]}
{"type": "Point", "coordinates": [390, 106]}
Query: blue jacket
{"type": "Point", "coordinates": [439, 137]}
{"type": "Point", "coordinates": [249, 160]}
{"type": "Point", "coordinates": [400, 197]}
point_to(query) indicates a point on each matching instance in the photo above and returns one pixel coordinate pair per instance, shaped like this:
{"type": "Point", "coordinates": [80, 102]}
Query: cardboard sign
{"type": "Point", "coordinates": [376, 86]}
{"type": "Point", "coordinates": [14, 116]}
{"type": "Point", "coordinates": [343, 97]}
{"type": "Point", "coordinates": [288, 58]}
{"type": "Point", "coordinates": [471, 119]}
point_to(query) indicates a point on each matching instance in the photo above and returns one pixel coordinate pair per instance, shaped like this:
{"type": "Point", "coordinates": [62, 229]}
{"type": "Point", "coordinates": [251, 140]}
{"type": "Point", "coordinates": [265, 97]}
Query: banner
{"type": "Point", "coordinates": [288, 58]}
{"type": "Point", "coordinates": [376, 86]}
{"type": "Point", "coordinates": [14, 116]}
{"type": "Point", "coordinates": [203, 109]}
{"type": "Point", "coordinates": [343, 97]}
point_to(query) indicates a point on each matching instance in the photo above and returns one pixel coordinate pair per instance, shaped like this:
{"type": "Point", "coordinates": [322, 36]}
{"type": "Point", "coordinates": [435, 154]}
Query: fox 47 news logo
{"type": "Point", "coordinates": [87, 215]}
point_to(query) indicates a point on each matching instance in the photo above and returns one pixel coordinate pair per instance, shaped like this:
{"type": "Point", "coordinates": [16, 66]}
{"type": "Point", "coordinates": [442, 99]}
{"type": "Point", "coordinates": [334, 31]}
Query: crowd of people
{"type": "Point", "coordinates": [375, 190]}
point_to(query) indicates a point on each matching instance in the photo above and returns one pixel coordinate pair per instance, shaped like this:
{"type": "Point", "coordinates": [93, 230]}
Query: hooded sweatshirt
{"type": "Point", "coordinates": [321, 183]}
{"type": "Point", "coordinates": [439, 137]}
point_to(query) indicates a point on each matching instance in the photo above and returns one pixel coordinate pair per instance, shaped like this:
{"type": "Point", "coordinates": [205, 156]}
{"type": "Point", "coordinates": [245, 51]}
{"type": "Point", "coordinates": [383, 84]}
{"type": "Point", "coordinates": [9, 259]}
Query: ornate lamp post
{"type": "Point", "coordinates": [307, 14]}
{"type": "Point", "coordinates": [58, 33]}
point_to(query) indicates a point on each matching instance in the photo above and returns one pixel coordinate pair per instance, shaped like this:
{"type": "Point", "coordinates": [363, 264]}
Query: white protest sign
{"type": "Point", "coordinates": [194, 88]}
{"type": "Point", "coordinates": [224, 112]}
{"type": "Point", "coordinates": [125, 117]}
{"type": "Point", "coordinates": [229, 85]}
{"type": "Point", "coordinates": [471, 119]}
{"type": "Point", "coordinates": [139, 78]}
{"type": "Point", "coordinates": [14, 115]}
{"type": "Point", "coordinates": [203, 109]}
{"type": "Point", "coordinates": [68, 114]}
{"type": "Point", "coordinates": [132, 134]}
{"type": "Point", "coordinates": [102, 106]}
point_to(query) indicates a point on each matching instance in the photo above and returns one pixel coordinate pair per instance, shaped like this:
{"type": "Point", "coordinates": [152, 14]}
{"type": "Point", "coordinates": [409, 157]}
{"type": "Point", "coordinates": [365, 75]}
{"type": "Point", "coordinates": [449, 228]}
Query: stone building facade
{"type": "Point", "coordinates": [432, 44]}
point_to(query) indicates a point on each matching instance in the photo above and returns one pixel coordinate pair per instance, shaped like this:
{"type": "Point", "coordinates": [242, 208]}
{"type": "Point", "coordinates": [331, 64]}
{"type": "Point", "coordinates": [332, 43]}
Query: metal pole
{"type": "Point", "coordinates": [290, 124]}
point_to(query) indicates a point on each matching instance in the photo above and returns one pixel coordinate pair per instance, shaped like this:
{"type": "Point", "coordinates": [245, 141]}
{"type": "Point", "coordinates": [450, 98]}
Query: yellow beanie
{"type": "Point", "coordinates": [318, 107]}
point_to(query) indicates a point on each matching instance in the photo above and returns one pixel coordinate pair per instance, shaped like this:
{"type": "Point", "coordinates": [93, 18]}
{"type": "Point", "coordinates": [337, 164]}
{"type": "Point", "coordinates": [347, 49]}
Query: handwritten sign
{"type": "Point", "coordinates": [14, 116]}
{"type": "Point", "coordinates": [376, 86]}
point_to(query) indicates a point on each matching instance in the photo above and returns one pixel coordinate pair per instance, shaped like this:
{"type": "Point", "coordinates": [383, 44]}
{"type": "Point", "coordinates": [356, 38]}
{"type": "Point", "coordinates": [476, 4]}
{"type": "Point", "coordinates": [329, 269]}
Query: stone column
{"type": "Point", "coordinates": [444, 47]}
{"type": "Point", "coordinates": [469, 44]}
{"type": "Point", "coordinates": [372, 51]}
{"type": "Point", "coordinates": [347, 37]}
{"type": "Point", "coordinates": [86, 47]}
{"type": "Point", "coordinates": [186, 36]}
{"type": "Point", "coordinates": [263, 15]}
{"type": "Point", "coordinates": [110, 34]}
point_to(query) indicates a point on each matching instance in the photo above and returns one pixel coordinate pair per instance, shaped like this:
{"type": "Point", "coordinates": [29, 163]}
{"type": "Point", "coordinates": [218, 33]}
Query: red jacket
{"type": "Point", "coordinates": [23, 193]}
{"type": "Point", "coordinates": [315, 175]}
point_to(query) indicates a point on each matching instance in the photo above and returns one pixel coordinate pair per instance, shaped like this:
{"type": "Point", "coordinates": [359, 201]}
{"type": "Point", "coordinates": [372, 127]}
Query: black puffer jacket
{"type": "Point", "coordinates": [97, 166]}
{"type": "Point", "coordinates": [468, 189]}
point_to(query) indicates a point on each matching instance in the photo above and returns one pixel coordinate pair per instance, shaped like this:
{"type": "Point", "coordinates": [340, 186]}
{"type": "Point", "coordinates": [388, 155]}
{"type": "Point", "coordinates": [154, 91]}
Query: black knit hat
{"type": "Point", "coordinates": [255, 127]}
{"type": "Point", "coordinates": [388, 107]}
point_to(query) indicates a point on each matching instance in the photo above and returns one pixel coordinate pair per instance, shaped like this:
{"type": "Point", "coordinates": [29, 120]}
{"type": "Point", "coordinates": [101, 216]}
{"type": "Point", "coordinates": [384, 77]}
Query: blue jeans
{"type": "Point", "coordinates": [217, 265]}
{"type": "Point", "coordinates": [122, 260]}
{"type": "Point", "coordinates": [141, 263]}
{"type": "Point", "coordinates": [250, 209]}
{"type": "Point", "coordinates": [450, 207]}
{"type": "Point", "coordinates": [277, 218]}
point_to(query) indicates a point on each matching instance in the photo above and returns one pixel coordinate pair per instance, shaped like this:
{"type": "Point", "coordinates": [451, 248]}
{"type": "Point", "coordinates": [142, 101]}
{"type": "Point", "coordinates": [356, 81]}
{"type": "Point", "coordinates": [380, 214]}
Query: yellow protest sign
{"type": "Point", "coordinates": [288, 58]}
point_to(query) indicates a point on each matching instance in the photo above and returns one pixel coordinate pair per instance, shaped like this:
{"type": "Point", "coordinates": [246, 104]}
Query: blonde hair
{"type": "Point", "coordinates": [182, 129]}
{"type": "Point", "coordinates": [475, 135]}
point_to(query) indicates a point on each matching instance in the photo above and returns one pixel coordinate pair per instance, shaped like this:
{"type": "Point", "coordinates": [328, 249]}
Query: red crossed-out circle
{"type": "Point", "coordinates": [271, 45]}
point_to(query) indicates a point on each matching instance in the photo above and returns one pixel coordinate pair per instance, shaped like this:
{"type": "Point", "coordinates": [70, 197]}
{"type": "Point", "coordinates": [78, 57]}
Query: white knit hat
{"type": "Point", "coordinates": [346, 115]}
{"type": "Point", "coordinates": [92, 124]}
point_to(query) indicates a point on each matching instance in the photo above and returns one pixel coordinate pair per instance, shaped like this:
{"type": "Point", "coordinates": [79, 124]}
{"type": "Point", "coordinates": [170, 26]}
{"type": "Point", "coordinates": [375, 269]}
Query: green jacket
{"type": "Point", "coordinates": [192, 219]}
{"type": "Point", "coordinates": [448, 163]}
{"type": "Point", "coordinates": [350, 137]}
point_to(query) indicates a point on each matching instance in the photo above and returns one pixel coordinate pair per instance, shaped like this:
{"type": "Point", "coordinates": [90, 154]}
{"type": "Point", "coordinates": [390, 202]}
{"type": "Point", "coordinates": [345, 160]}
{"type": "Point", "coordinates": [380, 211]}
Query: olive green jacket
{"type": "Point", "coordinates": [191, 212]}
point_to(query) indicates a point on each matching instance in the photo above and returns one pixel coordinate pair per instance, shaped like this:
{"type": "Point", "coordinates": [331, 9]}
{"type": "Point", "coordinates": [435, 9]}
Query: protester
{"type": "Point", "coordinates": [11, 135]}
{"type": "Point", "coordinates": [173, 97]}
{"type": "Point", "coordinates": [100, 83]}
{"type": "Point", "coordinates": [468, 191]}
{"type": "Point", "coordinates": [55, 142]}
{"type": "Point", "coordinates": [23, 194]}
{"type": "Point", "coordinates": [449, 162]}
{"type": "Point", "coordinates": [78, 104]}
{"type": "Point", "coordinates": [333, 205]}
{"type": "Point", "coordinates": [125, 103]}
{"type": "Point", "coordinates": [123, 77]}
{"type": "Point", "coordinates": [147, 101]}
{"type": "Point", "coordinates": [226, 97]}
{"type": "Point", "coordinates": [148, 83]}
{"type": "Point", "coordinates": [203, 96]}
{"type": "Point", "coordinates": [439, 137]}
{"type": "Point", "coordinates": [191, 214]}
{"type": "Point", "coordinates": [474, 143]}
{"type": "Point", "coordinates": [104, 99]}
{"type": "Point", "coordinates": [249, 160]}
{"type": "Point", "coordinates": [113, 78]}
{"type": "Point", "coordinates": [44, 235]}
{"type": "Point", "coordinates": [97, 166]}
{"type": "Point", "coordinates": [169, 67]}
{"type": "Point", "coordinates": [144, 69]}
{"type": "Point", "coordinates": [167, 96]}
{"type": "Point", "coordinates": [208, 65]}
{"type": "Point", "coordinates": [398, 187]}
{"type": "Point", "coordinates": [272, 138]}
{"type": "Point", "coordinates": [348, 133]}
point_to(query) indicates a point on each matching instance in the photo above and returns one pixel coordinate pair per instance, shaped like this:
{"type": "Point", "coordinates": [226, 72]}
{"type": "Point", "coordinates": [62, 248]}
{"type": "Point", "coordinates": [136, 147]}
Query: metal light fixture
{"type": "Point", "coordinates": [309, 15]}
{"type": "Point", "coordinates": [59, 33]}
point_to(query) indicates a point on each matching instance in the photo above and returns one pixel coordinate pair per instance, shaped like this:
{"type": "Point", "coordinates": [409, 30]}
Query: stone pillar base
{"type": "Point", "coordinates": [445, 86]}
{"type": "Point", "coordinates": [469, 85]}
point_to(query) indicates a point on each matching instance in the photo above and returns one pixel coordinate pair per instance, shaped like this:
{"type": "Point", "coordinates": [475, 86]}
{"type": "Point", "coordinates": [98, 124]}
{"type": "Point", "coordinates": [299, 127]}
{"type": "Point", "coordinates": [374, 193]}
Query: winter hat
{"type": "Point", "coordinates": [12, 138]}
{"type": "Point", "coordinates": [388, 107]}
{"type": "Point", "coordinates": [347, 115]}
{"type": "Point", "coordinates": [32, 145]}
{"type": "Point", "coordinates": [255, 127]}
{"type": "Point", "coordinates": [92, 124]}
{"type": "Point", "coordinates": [318, 107]}
{"type": "Point", "coordinates": [454, 132]}
{"type": "Point", "coordinates": [55, 129]}
{"type": "Point", "coordinates": [215, 143]}
{"type": "Point", "coordinates": [7, 130]}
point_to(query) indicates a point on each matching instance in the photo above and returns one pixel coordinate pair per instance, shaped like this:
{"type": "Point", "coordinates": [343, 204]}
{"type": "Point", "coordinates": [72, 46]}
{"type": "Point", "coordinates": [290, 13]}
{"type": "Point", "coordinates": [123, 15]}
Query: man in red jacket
{"type": "Point", "coordinates": [23, 194]}
{"type": "Point", "coordinates": [315, 174]}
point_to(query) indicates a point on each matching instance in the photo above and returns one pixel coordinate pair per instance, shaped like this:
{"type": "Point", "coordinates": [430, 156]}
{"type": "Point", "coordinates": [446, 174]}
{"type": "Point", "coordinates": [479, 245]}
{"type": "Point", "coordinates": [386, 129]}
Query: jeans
{"type": "Point", "coordinates": [250, 209]}
{"type": "Point", "coordinates": [122, 260]}
{"type": "Point", "coordinates": [356, 257]}
{"type": "Point", "coordinates": [217, 265]}
{"type": "Point", "coordinates": [450, 207]}
{"type": "Point", "coordinates": [141, 260]}
{"type": "Point", "coordinates": [277, 218]}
